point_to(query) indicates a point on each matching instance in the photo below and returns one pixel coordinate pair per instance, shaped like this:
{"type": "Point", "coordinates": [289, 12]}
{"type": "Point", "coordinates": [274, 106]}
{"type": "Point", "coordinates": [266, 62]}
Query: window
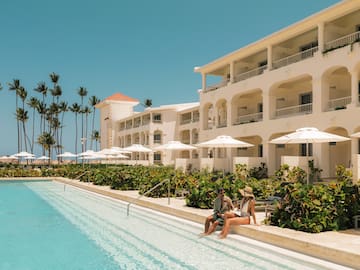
{"type": "Point", "coordinates": [260, 150]}
{"type": "Point", "coordinates": [157, 157]}
{"type": "Point", "coordinates": [305, 98]}
{"type": "Point", "coordinates": [157, 117]}
{"type": "Point", "coordinates": [303, 150]}
{"type": "Point", "coordinates": [260, 107]}
{"type": "Point", "coordinates": [157, 138]}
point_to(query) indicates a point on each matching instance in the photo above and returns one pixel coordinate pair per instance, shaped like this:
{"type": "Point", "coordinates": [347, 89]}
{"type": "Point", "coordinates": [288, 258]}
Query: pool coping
{"type": "Point", "coordinates": [338, 247]}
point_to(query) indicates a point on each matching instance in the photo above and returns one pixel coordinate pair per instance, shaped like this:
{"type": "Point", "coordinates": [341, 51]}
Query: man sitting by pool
{"type": "Point", "coordinates": [222, 204]}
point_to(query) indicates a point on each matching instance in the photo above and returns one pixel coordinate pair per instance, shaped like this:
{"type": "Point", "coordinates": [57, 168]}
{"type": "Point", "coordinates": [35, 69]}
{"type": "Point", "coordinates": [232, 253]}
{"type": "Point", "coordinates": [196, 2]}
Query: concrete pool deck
{"type": "Point", "coordinates": [341, 247]}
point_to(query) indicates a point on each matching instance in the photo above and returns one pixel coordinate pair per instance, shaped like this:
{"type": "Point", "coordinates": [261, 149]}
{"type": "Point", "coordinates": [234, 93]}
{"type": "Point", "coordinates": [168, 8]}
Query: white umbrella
{"type": "Point", "coordinates": [43, 158]}
{"type": "Point", "coordinates": [119, 150]}
{"type": "Point", "coordinates": [308, 135]}
{"type": "Point", "coordinates": [355, 135]}
{"type": "Point", "coordinates": [175, 145]}
{"type": "Point", "coordinates": [24, 154]}
{"type": "Point", "coordinates": [224, 141]}
{"type": "Point", "coordinates": [137, 148]}
{"type": "Point", "coordinates": [86, 153]}
{"type": "Point", "coordinates": [67, 155]}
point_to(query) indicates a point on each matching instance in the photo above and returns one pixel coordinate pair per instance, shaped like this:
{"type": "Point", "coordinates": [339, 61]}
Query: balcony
{"type": "Point", "coordinates": [339, 103]}
{"type": "Point", "coordinates": [295, 58]}
{"type": "Point", "coordinates": [221, 124]}
{"type": "Point", "coordinates": [342, 42]}
{"type": "Point", "coordinates": [215, 86]}
{"type": "Point", "coordinates": [250, 73]}
{"type": "Point", "coordinates": [248, 118]}
{"type": "Point", "coordinates": [294, 110]}
{"type": "Point", "coordinates": [185, 121]}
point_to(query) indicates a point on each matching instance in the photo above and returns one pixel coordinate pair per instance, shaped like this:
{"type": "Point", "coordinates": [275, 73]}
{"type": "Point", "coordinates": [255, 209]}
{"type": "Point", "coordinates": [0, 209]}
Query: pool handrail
{"type": "Point", "coordinates": [151, 189]}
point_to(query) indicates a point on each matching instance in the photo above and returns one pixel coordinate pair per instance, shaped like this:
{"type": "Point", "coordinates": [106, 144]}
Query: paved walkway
{"type": "Point", "coordinates": [341, 247]}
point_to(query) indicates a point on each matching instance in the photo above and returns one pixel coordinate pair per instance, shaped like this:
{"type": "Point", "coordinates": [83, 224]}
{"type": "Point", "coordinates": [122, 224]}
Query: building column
{"type": "Point", "coordinates": [232, 72]}
{"type": "Point", "coordinates": [266, 104]}
{"type": "Point", "coordinates": [269, 57]}
{"type": "Point", "coordinates": [321, 36]}
{"type": "Point", "coordinates": [203, 77]}
{"type": "Point", "coordinates": [228, 114]}
{"type": "Point", "coordinates": [317, 99]}
{"type": "Point", "coordinates": [354, 89]}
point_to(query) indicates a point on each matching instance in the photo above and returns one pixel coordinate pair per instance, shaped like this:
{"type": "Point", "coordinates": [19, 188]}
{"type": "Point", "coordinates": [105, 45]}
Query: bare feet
{"type": "Point", "coordinates": [221, 236]}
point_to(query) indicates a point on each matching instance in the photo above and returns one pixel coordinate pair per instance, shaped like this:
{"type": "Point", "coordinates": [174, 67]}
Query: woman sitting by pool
{"type": "Point", "coordinates": [242, 215]}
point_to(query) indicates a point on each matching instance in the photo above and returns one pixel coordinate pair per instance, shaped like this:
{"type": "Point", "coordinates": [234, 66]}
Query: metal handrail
{"type": "Point", "coordinates": [151, 189]}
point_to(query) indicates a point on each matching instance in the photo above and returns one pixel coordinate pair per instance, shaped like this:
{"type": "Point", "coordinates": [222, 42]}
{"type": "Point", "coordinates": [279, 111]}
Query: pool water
{"type": "Point", "coordinates": [47, 226]}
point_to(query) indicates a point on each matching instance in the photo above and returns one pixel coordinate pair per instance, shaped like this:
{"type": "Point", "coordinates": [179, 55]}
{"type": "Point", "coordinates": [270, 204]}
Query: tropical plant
{"type": "Point", "coordinates": [82, 92]}
{"type": "Point", "coordinates": [33, 103]}
{"type": "Point", "coordinates": [93, 101]}
{"type": "Point", "coordinates": [75, 108]}
{"type": "Point", "coordinates": [95, 137]}
{"type": "Point", "coordinates": [46, 140]}
{"type": "Point", "coordinates": [15, 86]}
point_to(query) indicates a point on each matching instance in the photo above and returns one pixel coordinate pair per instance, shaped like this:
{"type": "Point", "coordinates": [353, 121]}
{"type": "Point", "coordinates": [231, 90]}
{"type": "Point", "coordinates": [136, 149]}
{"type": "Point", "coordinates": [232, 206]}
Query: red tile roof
{"type": "Point", "coordinates": [121, 97]}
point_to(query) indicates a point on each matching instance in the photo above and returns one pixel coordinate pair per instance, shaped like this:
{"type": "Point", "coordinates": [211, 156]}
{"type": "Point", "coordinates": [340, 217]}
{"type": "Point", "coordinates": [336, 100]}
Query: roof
{"type": "Point", "coordinates": [120, 97]}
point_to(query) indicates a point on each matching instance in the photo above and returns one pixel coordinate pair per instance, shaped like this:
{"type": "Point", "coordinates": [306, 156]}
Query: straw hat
{"type": "Point", "coordinates": [247, 192]}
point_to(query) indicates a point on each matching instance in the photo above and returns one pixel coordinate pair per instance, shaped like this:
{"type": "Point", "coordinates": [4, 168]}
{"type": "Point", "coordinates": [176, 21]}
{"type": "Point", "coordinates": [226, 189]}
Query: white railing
{"type": "Point", "coordinates": [294, 110]}
{"type": "Point", "coordinates": [146, 122]}
{"type": "Point", "coordinates": [295, 58]}
{"type": "Point", "coordinates": [215, 86]}
{"type": "Point", "coordinates": [343, 41]}
{"type": "Point", "coordinates": [339, 103]}
{"type": "Point", "coordinates": [250, 73]}
{"type": "Point", "coordinates": [221, 124]}
{"type": "Point", "coordinates": [185, 121]}
{"type": "Point", "coordinates": [249, 118]}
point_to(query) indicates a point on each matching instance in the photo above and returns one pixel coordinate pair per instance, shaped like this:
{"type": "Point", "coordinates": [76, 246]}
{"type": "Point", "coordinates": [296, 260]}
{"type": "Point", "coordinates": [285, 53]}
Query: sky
{"type": "Point", "coordinates": [143, 49]}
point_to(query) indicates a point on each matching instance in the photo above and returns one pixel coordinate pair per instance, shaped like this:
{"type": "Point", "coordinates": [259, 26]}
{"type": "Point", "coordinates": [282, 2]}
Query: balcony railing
{"type": "Point", "coordinates": [250, 73]}
{"type": "Point", "coordinates": [145, 122]}
{"type": "Point", "coordinates": [294, 110]}
{"type": "Point", "coordinates": [343, 41]}
{"type": "Point", "coordinates": [295, 58]}
{"type": "Point", "coordinates": [339, 103]}
{"type": "Point", "coordinates": [185, 121]}
{"type": "Point", "coordinates": [221, 124]}
{"type": "Point", "coordinates": [248, 118]}
{"type": "Point", "coordinates": [215, 86]}
{"type": "Point", "coordinates": [137, 124]}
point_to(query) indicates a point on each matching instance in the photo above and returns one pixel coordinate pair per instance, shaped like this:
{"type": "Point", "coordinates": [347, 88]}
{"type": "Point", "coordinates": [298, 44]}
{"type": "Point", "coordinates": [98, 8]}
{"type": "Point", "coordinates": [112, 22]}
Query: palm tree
{"type": "Point", "coordinates": [86, 111]}
{"type": "Point", "coordinates": [0, 87]}
{"type": "Point", "coordinates": [46, 140]}
{"type": "Point", "coordinates": [33, 103]}
{"type": "Point", "coordinates": [22, 116]}
{"type": "Point", "coordinates": [14, 86]}
{"type": "Point", "coordinates": [23, 95]}
{"type": "Point", "coordinates": [42, 89]}
{"type": "Point", "coordinates": [63, 107]}
{"type": "Point", "coordinates": [82, 93]}
{"type": "Point", "coordinates": [56, 93]}
{"type": "Point", "coordinates": [96, 136]}
{"type": "Point", "coordinates": [42, 109]}
{"type": "Point", "coordinates": [147, 103]}
{"type": "Point", "coordinates": [75, 108]}
{"type": "Point", "coordinates": [93, 100]}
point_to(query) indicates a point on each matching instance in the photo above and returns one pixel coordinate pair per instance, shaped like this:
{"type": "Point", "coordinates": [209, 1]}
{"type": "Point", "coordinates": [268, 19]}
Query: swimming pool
{"type": "Point", "coordinates": [47, 227]}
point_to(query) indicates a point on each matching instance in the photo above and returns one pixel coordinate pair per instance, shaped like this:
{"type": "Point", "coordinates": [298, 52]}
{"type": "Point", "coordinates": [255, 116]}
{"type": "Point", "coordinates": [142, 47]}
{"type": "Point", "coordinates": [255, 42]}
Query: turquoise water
{"type": "Point", "coordinates": [33, 235]}
{"type": "Point", "coordinates": [44, 226]}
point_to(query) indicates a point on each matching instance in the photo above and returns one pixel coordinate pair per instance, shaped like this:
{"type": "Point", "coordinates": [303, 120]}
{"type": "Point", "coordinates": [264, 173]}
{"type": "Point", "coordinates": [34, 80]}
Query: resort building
{"type": "Point", "coordinates": [306, 75]}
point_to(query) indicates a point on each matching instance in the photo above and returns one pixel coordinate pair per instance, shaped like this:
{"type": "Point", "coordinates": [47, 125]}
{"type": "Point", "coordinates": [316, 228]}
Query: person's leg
{"type": "Point", "coordinates": [208, 220]}
{"type": "Point", "coordinates": [212, 227]}
{"type": "Point", "coordinates": [233, 221]}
